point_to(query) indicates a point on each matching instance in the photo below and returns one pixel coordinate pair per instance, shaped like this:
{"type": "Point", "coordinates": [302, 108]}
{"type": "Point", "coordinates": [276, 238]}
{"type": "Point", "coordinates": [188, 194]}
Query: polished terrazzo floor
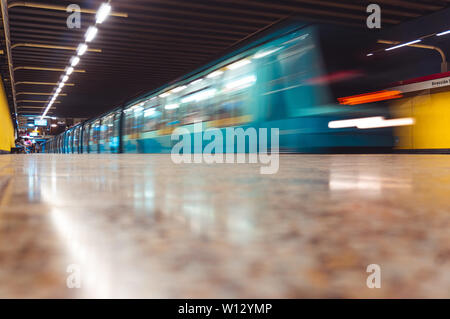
{"type": "Point", "coordinates": [141, 226]}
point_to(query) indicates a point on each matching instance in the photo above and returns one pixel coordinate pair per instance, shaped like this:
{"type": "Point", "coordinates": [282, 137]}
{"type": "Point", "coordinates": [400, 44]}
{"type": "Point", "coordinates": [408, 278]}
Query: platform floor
{"type": "Point", "coordinates": [140, 226]}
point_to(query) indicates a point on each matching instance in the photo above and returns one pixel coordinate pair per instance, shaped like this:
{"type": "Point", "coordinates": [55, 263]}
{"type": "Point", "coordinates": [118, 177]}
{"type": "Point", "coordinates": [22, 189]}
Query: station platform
{"type": "Point", "coordinates": [140, 226]}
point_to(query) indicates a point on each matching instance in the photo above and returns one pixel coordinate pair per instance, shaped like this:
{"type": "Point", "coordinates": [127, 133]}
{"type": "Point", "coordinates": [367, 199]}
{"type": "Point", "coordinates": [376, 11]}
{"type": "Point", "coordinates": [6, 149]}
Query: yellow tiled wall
{"type": "Point", "coordinates": [6, 125]}
{"type": "Point", "coordinates": [432, 115]}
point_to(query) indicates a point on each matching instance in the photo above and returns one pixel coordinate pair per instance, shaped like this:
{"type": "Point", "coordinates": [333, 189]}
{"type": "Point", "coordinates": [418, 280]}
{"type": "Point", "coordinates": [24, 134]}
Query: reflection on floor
{"type": "Point", "coordinates": [140, 226]}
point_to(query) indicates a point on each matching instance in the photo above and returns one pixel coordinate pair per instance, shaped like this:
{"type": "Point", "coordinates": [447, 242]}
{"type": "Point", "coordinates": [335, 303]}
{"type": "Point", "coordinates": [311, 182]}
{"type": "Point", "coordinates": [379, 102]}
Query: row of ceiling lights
{"type": "Point", "coordinates": [102, 14]}
{"type": "Point", "coordinates": [411, 42]}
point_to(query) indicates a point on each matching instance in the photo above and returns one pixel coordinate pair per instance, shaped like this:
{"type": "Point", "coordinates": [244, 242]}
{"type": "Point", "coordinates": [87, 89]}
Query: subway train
{"type": "Point", "coordinates": [297, 77]}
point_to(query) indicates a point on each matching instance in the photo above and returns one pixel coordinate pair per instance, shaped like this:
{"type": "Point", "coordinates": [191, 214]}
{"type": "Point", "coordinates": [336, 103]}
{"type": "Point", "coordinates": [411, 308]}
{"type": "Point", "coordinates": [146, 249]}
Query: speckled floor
{"type": "Point", "coordinates": [140, 226]}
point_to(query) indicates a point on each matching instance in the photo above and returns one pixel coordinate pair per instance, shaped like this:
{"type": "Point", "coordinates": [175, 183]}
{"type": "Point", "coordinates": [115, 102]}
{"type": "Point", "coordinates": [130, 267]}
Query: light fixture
{"type": "Point", "coordinates": [241, 83]}
{"type": "Point", "coordinates": [82, 48]}
{"type": "Point", "coordinates": [196, 82]}
{"type": "Point", "coordinates": [103, 12]}
{"type": "Point", "coordinates": [165, 94]}
{"type": "Point", "coordinates": [214, 74]}
{"type": "Point", "coordinates": [179, 89]}
{"type": "Point", "coordinates": [353, 122]}
{"type": "Point", "coordinates": [371, 122]}
{"type": "Point", "coordinates": [74, 61]}
{"type": "Point", "coordinates": [387, 123]}
{"type": "Point", "coordinates": [90, 33]}
{"type": "Point", "coordinates": [370, 54]}
{"type": "Point", "coordinates": [370, 97]}
{"type": "Point", "coordinates": [200, 96]}
{"type": "Point", "coordinates": [172, 106]}
{"type": "Point", "coordinates": [403, 45]}
{"type": "Point", "coordinates": [443, 33]}
{"type": "Point", "coordinates": [263, 54]}
{"type": "Point", "coordinates": [238, 64]}
{"type": "Point", "coordinates": [149, 112]}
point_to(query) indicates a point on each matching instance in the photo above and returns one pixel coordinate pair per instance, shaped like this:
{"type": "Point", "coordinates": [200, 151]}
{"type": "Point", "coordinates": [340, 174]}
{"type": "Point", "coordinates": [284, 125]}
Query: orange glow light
{"type": "Point", "coordinates": [370, 97]}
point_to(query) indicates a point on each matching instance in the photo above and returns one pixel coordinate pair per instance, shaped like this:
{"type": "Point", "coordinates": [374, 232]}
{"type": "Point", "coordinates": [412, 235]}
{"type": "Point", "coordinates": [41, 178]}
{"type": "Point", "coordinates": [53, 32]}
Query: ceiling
{"type": "Point", "coordinates": [159, 41]}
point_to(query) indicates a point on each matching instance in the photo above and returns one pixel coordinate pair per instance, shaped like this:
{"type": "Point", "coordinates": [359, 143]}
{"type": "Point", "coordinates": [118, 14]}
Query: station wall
{"type": "Point", "coordinates": [432, 115]}
{"type": "Point", "coordinates": [6, 125]}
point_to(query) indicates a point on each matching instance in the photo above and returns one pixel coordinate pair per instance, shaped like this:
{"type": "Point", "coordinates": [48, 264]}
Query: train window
{"type": "Point", "coordinates": [235, 92]}
{"type": "Point", "coordinates": [106, 133]}
{"type": "Point", "coordinates": [94, 137]}
{"type": "Point", "coordinates": [196, 106]}
{"type": "Point", "coordinates": [102, 138]}
{"type": "Point", "coordinates": [86, 138]}
{"type": "Point", "coordinates": [70, 142]}
{"type": "Point", "coordinates": [171, 113]}
{"type": "Point", "coordinates": [152, 115]}
{"type": "Point", "coordinates": [134, 120]}
{"type": "Point", "coordinates": [76, 140]}
{"type": "Point", "coordinates": [115, 137]}
{"type": "Point", "coordinates": [67, 142]}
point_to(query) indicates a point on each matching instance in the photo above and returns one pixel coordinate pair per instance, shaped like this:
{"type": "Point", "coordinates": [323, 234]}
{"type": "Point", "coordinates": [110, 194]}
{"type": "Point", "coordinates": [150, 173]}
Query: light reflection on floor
{"type": "Point", "coordinates": [140, 226]}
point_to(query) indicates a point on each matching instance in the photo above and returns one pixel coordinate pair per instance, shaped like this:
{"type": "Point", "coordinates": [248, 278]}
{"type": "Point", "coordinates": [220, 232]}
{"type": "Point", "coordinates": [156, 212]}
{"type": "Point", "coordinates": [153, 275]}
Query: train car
{"type": "Point", "coordinates": [292, 79]}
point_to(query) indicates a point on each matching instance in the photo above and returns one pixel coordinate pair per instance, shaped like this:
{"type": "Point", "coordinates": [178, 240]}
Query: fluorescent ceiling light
{"type": "Point", "coordinates": [65, 78]}
{"type": "Point", "coordinates": [69, 71]}
{"type": "Point", "coordinates": [103, 12]}
{"type": "Point", "coordinates": [403, 45]}
{"type": "Point", "coordinates": [74, 61]}
{"type": "Point", "coordinates": [90, 33]}
{"type": "Point", "coordinates": [82, 48]}
{"type": "Point", "coordinates": [443, 33]}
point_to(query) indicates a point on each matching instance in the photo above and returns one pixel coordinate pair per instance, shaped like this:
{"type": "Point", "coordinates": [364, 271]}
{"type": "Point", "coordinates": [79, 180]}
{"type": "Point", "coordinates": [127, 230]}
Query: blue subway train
{"type": "Point", "coordinates": [290, 78]}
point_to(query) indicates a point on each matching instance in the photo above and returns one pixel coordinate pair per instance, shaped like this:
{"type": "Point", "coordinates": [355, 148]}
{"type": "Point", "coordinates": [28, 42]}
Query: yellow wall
{"type": "Point", "coordinates": [6, 125]}
{"type": "Point", "coordinates": [432, 115]}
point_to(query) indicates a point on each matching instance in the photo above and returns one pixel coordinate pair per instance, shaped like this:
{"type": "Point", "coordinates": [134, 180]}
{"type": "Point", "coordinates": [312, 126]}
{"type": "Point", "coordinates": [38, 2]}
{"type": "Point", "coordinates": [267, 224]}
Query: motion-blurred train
{"type": "Point", "coordinates": [301, 78]}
